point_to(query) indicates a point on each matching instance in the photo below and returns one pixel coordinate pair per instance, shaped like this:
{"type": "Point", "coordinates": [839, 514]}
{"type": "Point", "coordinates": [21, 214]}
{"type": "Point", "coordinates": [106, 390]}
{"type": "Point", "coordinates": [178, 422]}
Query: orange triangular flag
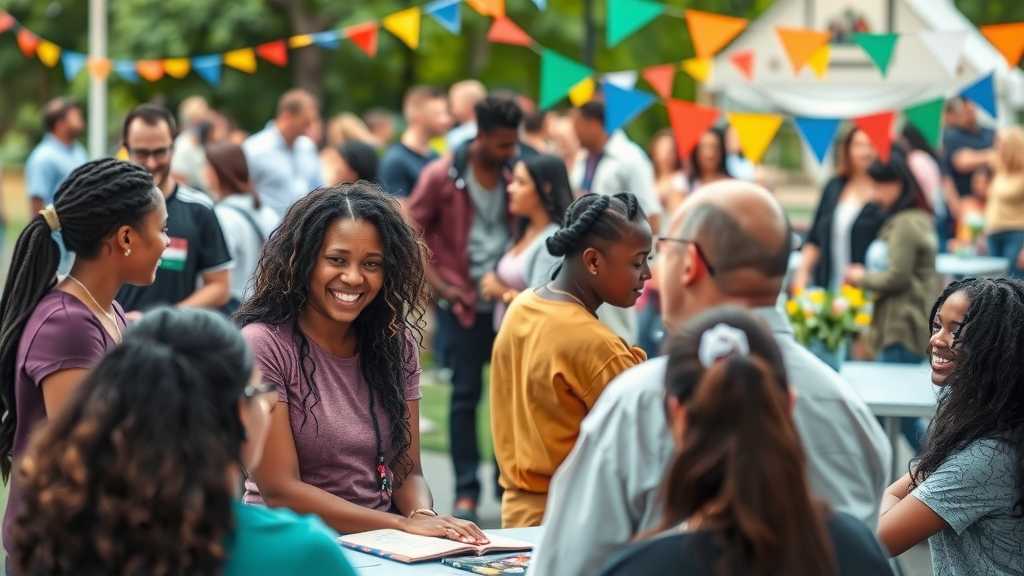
{"type": "Point", "coordinates": [364, 36]}
{"type": "Point", "coordinates": [6, 21]}
{"type": "Point", "coordinates": [878, 127]}
{"type": "Point", "coordinates": [28, 42]}
{"type": "Point", "coordinates": [177, 67]}
{"type": "Point", "coordinates": [661, 79]}
{"type": "Point", "coordinates": [689, 122]}
{"type": "Point", "coordinates": [151, 70]}
{"type": "Point", "coordinates": [744, 62]}
{"type": "Point", "coordinates": [495, 8]}
{"type": "Point", "coordinates": [99, 67]}
{"type": "Point", "coordinates": [1008, 39]}
{"type": "Point", "coordinates": [505, 31]}
{"type": "Point", "coordinates": [274, 52]}
{"type": "Point", "coordinates": [711, 32]}
{"type": "Point", "coordinates": [801, 44]}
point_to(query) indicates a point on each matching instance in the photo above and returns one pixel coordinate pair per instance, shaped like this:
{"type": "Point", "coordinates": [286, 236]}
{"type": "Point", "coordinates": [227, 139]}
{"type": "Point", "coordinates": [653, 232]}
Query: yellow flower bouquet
{"type": "Point", "coordinates": [828, 318]}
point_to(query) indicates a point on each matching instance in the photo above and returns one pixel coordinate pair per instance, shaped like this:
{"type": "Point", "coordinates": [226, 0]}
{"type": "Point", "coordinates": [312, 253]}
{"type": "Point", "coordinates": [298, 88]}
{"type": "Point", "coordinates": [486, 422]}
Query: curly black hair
{"type": "Point", "coordinates": [383, 328]}
{"type": "Point", "coordinates": [984, 396]}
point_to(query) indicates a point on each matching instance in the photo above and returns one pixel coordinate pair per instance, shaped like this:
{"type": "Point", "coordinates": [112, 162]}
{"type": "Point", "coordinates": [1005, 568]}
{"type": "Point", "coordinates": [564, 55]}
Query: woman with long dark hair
{"type": "Point", "coordinates": [737, 500]}
{"type": "Point", "coordinates": [112, 217]}
{"type": "Point", "coordinates": [965, 494]}
{"type": "Point", "coordinates": [709, 159]}
{"type": "Point", "coordinates": [141, 473]}
{"type": "Point", "coordinates": [334, 320]}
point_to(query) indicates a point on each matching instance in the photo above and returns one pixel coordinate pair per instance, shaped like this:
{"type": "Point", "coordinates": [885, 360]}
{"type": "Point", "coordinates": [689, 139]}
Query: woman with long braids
{"type": "Point", "coordinates": [112, 217]}
{"type": "Point", "coordinates": [334, 319]}
{"type": "Point", "coordinates": [553, 357]}
{"type": "Point", "coordinates": [965, 494]}
{"type": "Point", "coordinates": [141, 473]}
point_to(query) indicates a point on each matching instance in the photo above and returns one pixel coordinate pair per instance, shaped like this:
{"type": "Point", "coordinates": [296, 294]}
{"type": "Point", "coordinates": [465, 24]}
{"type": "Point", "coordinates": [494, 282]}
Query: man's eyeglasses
{"type": "Point", "coordinates": [142, 154]}
{"type": "Point", "coordinates": [700, 251]}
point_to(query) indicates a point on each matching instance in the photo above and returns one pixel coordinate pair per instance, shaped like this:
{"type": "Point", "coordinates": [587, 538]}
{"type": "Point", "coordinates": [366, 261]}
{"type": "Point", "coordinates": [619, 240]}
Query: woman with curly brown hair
{"type": "Point", "coordinates": [140, 473]}
{"type": "Point", "coordinates": [333, 319]}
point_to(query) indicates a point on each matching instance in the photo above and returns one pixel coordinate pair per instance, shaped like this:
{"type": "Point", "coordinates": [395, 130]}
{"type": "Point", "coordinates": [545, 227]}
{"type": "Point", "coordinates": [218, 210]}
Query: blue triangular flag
{"type": "Point", "coordinates": [447, 14]}
{"type": "Point", "coordinates": [622, 105]}
{"type": "Point", "coordinates": [126, 69]}
{"type": "Point", "coordinates": [73, 63]}
{"type": "Point", "coordinates": [541, 4]}
{"type": "Point", "coordinates": [818, 133]}
{"type": "Point", "coordinates": [983, 93]}
{"type": "Point", "coordinates": [208, 67]}
{"type": "Point", "coordinates": [328, 39]}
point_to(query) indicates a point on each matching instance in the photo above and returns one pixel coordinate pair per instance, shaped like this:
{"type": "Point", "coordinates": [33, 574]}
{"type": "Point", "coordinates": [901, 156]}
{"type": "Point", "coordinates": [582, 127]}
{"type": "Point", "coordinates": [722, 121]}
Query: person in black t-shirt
{"type": "Point", "coordinates": [426, 114]}
{"type": "Point", "coordinates": [194, 269]}
{"type": "Point", "coordinates": [737, 499]}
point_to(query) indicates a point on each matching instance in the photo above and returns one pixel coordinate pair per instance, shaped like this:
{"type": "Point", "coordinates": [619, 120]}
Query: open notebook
{"type": "Point", "coordinates": [404, 547]}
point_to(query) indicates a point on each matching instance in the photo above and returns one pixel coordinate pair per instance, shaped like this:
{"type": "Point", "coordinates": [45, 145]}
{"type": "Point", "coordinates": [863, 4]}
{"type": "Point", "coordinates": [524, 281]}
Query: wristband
{"type": "Point", "coordinates": [426, 511]}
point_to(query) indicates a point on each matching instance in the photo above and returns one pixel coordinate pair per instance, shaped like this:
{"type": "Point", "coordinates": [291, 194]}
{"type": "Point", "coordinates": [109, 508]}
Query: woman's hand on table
{"type": "Point", "coordinates": [445, 527]}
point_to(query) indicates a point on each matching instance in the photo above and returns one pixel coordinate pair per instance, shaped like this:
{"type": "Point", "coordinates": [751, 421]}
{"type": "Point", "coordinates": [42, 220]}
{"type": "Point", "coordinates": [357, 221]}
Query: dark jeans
{"type": "Point", "coordinates": [650, 331]}
{"type": "Point", "coordinates": [469, 350]}
{"type": "Point", "coordinates": [914, 429]}
{"type": "Point", "coordinates": [1007, 245]}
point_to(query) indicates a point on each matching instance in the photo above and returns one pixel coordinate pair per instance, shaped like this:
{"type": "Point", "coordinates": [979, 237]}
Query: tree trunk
{"type": "Point", "coordinates": [589, 33]}
{"type": "Point", "coordinates": [307, 67]}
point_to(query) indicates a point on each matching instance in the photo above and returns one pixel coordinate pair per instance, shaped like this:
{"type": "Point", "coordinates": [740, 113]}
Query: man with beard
{"type": "Point", "coordinates": [197, 255]}
{"type": "Point", "coordinates": [57, 154]}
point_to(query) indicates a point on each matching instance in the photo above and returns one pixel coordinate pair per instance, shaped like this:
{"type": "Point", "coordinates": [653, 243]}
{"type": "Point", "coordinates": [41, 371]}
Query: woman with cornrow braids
{"type": "Point", "coordinates": [111, 216]}
{"type": "Point", "coordinates": [553, 357]}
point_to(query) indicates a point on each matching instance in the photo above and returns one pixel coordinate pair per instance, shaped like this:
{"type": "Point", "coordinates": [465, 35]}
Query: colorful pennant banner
{"type": "Point", "coordinates": [712, 32]}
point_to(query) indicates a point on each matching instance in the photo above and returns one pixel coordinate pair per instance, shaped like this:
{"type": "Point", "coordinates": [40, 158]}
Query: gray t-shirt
{"type": "Point", "coordinates": [974, 491]}
{"type": "Point", "coordinates": [488, 235]}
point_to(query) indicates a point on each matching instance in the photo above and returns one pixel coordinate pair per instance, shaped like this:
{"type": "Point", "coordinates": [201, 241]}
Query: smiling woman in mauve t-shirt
{"type": "Point", "coordinates": [112, 217]}
{"type": "Point", "coordinates": [330, 322]}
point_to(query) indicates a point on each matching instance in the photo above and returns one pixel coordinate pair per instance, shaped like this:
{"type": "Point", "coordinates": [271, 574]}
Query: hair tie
{"type": "Point", "coordinates": [50, 215]}
{"type": "Point", "coordinates": [721, 342]}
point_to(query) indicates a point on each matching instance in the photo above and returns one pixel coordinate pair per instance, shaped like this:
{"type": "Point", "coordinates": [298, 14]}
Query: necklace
{"type": "Point", "coordinates": [554, 290]}
{"type": "Point", "coordinates": [109, 316]}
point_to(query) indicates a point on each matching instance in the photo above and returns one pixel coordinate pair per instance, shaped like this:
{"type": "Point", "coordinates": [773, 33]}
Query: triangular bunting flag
{"type": "Point", "coordinates": [698, 68]}
{"type": "Point", "coordinates": [6, 21]}
{"type": "Point", "coordinates": [49, 53]}
{"type": "Point", "coordinates": [327, 39]}
{"type": "Point", "coordinates": [1008, 39]}
{"type": "Point", "coordinates": [300, 41]}
{"type": "Point", "coordinates": [927, 118]}
{"type": "Point", "coordinates": [800, 44]}
{"type": "Point", "coordinates": [711, 32]}
{"type": "Point", "coordinates": [627, 16]}
{"type": "Point", "coordinates": [505, 31]}
{"type": "Point", "coordinates": [622, 106]}
{"type": "Point", "coordinates": [661, 78]}
{"type": "Point", "coordinates": [27, 42]}
{"type": "Point", "coordinates": [447, 14]}
{"type": "Point", "coordinates": [243, 60]}
{"type": "Point", "coordinates": [364, 36]}
{"type": "Point", "coordinates": [99, 67]}
{"type": "Point", "coordinates": [126, 70]}
{"type": "Point", "coordinates": [983, 93]}
{"type": "Point", "coordinates": [819, 61]}
{"type": "Point", "coordinates": [177, 67]}
{"type": "Point", "coordinates": [623, 79]}
{"type": "Point", "coordinates": [405, 25]}
{"type": "Point", "coordinates": [73, 63]}
{"type": "Point", "coordinates": [558, 75]}
{"type": "Point", "coordinates": [756, 132]}
{"type": "Point", "coordinates": [208, 68]}
{"type": "Point", "coordinates": [744, 62]}
{"type": "Point", "coordinates": [947, 47]}
{"type": "Point", "coordinates": [878, 127]}
{"type": "Point", "coordinates": [582, 93]}
{"type": "Point", "coordinates": [274, 52]}
{"type": "Point", "coordinates": [879, 48]}
{"type": "Point", "coordinates": [689, 122]}
{"type": "Point", "coordinates": [494, 8]}
{"type": "Point", "coordinates": [151, 70]}
{"type": "Point", "coordinates": [541, 4]}
{"type": "Point", "coordinates": [818, 133]}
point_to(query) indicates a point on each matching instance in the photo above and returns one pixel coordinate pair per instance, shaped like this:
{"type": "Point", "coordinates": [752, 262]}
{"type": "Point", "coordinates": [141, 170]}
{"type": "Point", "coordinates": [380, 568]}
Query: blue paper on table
{"type": "Point", "coordinates": [514, 564]}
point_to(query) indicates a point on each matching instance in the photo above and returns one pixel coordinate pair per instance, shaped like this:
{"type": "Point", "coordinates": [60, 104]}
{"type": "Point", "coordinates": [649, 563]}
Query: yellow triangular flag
{"type": "Point", "coordinates": [582, 92]}
{"type": "Point", "coordinates": [698, 68]}
{"type": "Point", "coordinates": [819, 61]}
{"type": "Point", "coordinates": [49, 53]}
{"type": "Point", "coordinates": [300, 41]}
{"type": "Point", "coordinates": [756, 132]}
{"type": "Point", "coordinates": [177, 67]}
{"type": "Point", "coordinates": [244, 60]}
{"type": "Point", "coordinates": [405, 25]}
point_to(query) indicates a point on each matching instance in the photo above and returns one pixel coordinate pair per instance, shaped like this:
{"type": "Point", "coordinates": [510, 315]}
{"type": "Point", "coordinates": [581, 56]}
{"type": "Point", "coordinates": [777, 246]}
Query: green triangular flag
{"type": "Point", "coordinates": [927, 117]}
{"type": "Point", "coordinates": [879, 47]}
{"type": "Point", "coordinates": [558, 75]}
{"type": "Point", "coordinates": [628, 16]}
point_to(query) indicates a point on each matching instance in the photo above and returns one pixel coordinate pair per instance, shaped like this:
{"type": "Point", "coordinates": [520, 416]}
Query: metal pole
{"type": "Point", "coordinates": [589, 33]}
{"type": "Point", "coordinates": [97, 86]}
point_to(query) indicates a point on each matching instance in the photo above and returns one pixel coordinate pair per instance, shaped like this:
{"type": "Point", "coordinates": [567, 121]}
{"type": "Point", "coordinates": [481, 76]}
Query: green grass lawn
{"type": "Point", "coordinates": [434, 407]}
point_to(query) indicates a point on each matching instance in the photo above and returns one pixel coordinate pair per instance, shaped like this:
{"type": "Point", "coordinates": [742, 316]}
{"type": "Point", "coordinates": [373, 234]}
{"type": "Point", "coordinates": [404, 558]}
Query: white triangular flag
{"type": "Point", "coordinates": [947, 47]}
{"type": "Point", "coordinates": [625, 80]}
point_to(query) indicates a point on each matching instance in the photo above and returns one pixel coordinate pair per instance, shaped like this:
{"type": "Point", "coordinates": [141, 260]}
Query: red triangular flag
{"type": "Point", "coordinates": [274, 52]}
{"type": "Point", "coordinates": [505, 31]}
{"type": "Point", "coordinates": [28, 42]}
{"type": "Point", "coordinates": [661, 78]}
{"type": "Point", "coordinates": [689, 122]}
{"type": "Point", "coordinates": [744, 61]}
{"type": "Point", "coordinates": [364, 36]}
{"type": "Point", "coordinates": [878, 127]}
{"type": "Point", "coordinates": [6, 21]}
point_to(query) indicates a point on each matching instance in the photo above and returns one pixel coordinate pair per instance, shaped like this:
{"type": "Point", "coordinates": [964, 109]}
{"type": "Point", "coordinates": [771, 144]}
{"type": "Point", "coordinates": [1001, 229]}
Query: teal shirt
{"type": "Point", "coordinates": [280, 543]}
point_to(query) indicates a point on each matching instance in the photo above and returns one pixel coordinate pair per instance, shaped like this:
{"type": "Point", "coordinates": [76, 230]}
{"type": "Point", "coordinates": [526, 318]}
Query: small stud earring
{"type": "Point", "coordinates": [128, 252]}
{"type": "Point", "coordinates": [593, 272]}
